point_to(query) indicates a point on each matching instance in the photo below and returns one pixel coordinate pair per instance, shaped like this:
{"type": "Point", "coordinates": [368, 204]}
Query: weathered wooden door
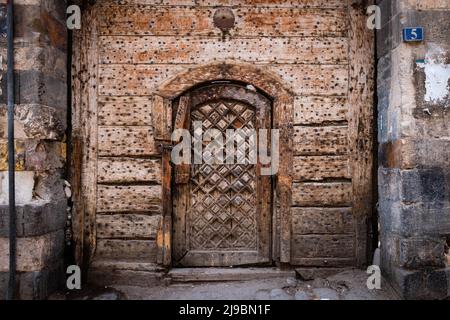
{"type": "Point", "coordinates": [222, 211]}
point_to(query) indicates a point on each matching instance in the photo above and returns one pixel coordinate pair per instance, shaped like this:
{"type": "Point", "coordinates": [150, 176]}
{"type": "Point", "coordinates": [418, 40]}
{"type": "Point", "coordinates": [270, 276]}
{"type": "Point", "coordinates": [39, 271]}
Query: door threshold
{"type": "Point", "coordinates": [227, 274]}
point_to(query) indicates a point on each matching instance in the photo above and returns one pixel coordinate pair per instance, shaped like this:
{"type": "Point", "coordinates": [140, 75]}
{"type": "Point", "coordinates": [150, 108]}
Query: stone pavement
{"type": "Point", "coordinates": [347, 285]}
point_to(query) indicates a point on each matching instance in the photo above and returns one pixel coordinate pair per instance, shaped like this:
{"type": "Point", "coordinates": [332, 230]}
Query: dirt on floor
{"type": "Point", "coordinates": [347, 285]}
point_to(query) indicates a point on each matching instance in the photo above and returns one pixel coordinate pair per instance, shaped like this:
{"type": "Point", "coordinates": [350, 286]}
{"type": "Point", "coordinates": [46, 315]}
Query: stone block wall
{"type": "Point", "coordinates": [40, 127]}
{"type": "Point", "coordinates": [414, 150]}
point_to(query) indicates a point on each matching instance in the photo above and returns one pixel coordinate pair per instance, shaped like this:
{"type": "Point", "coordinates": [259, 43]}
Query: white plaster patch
{"type": "Point", "coordinates": [437, 75]}
{"type": "Point", "coordinates": [24, 187]}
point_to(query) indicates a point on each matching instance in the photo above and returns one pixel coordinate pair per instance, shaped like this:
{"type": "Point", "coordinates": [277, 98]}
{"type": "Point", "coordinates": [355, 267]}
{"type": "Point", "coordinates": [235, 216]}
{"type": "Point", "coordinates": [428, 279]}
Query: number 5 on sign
{"type": "Point", "coordinates": [413, 34]}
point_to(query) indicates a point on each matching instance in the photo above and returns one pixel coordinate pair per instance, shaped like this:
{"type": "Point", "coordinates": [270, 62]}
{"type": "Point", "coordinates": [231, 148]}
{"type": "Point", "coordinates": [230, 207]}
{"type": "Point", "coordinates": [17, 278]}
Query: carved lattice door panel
{"type": "Point", "coordinates": [222, 208]}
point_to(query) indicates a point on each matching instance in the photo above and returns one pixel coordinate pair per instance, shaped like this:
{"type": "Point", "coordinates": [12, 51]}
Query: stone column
{"type": "Point", "coordinates": [414, 150]}
{"type": "Point", "coordinates": [40, 127]}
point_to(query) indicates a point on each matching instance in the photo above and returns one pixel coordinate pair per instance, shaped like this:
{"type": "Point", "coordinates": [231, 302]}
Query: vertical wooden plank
{"type": "Point", "coordinates": [181, 204]}
{"type": "Point", "coordinates": [167, 205]}
{"type": "Point", "coordinates": [275, 226]}
{"type": "Point", "coordinates": [75, 164]}
{"type": "Point", "coordinates": [182, 171]}
{"type": "Point", "coordinates": [181, 188]}
{"type": "Point", "coordinates": [162, 128]}
{"type": "Point", "coordinates": [80, 102]}
{"type": "Point", "coordinates": [162, 118]}
{"type": "Point", "coordinates": [264, 187]}
{"type": "Point", "coordinates": [284, 107]}
{"type": "Point", "coordinates": [160, 242]}
{"type": "Point", "coordinates": [164, 234]}
{"type": "Point", "coordinates": [182, 113]}
{"type": "Point", "coordinates": [89, 131]}
{"type": "Point", "coordinates": [361, 84]}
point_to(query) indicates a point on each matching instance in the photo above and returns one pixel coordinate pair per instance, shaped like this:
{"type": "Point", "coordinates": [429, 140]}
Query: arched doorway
{"type": "Point", "coordinates": [222, 200]}
{"type": "Point", "coordinates": [254, 85]}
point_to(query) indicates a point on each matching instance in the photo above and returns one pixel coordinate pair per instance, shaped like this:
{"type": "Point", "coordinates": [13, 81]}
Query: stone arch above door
{"type": "Point", "coordinates": [271, 84]}
{"type": "Point", "coordinates": [283, 113]}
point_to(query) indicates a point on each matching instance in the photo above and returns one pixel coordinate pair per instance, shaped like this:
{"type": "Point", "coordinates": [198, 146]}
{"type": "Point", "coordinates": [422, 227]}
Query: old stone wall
{"type": "Point", "coordinates": [414, 136]}
{"type": "Point", "coordinates": [40, 125]}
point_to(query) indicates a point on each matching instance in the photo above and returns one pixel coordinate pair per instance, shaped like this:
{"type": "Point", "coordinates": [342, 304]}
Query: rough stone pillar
{"type": "Point", "coordinates": [40, 125]}
{"type": "Point", "coordinates": [414, 151]}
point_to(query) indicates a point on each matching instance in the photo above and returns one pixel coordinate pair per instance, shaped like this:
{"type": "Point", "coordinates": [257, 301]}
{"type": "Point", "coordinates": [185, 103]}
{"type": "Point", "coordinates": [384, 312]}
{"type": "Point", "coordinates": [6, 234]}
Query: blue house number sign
{"type": "Point", "coordinates": [413, 34]}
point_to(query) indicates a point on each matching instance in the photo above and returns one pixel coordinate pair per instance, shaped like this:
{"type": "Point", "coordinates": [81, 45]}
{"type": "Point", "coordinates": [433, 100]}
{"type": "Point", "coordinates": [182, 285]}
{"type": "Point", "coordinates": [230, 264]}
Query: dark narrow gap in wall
{"type": "Point", "coordinates": [447, 250]}
{"type": "Point", "coordinates": [69, 258]}
{"type": "Point", "coordinates": [374, 230]}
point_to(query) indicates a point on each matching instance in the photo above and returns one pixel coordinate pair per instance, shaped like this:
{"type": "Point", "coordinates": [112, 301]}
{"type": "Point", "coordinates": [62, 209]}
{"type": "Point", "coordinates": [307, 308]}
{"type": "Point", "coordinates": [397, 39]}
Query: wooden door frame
{"type": "Point", "coordinates": [182, 253]}
{"type": "Point", "coordinates": [84, 77]}
{"type": "Point", "coordinates": [83, 174]}
{"type": "Point", "coordinates": [282, 117]}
